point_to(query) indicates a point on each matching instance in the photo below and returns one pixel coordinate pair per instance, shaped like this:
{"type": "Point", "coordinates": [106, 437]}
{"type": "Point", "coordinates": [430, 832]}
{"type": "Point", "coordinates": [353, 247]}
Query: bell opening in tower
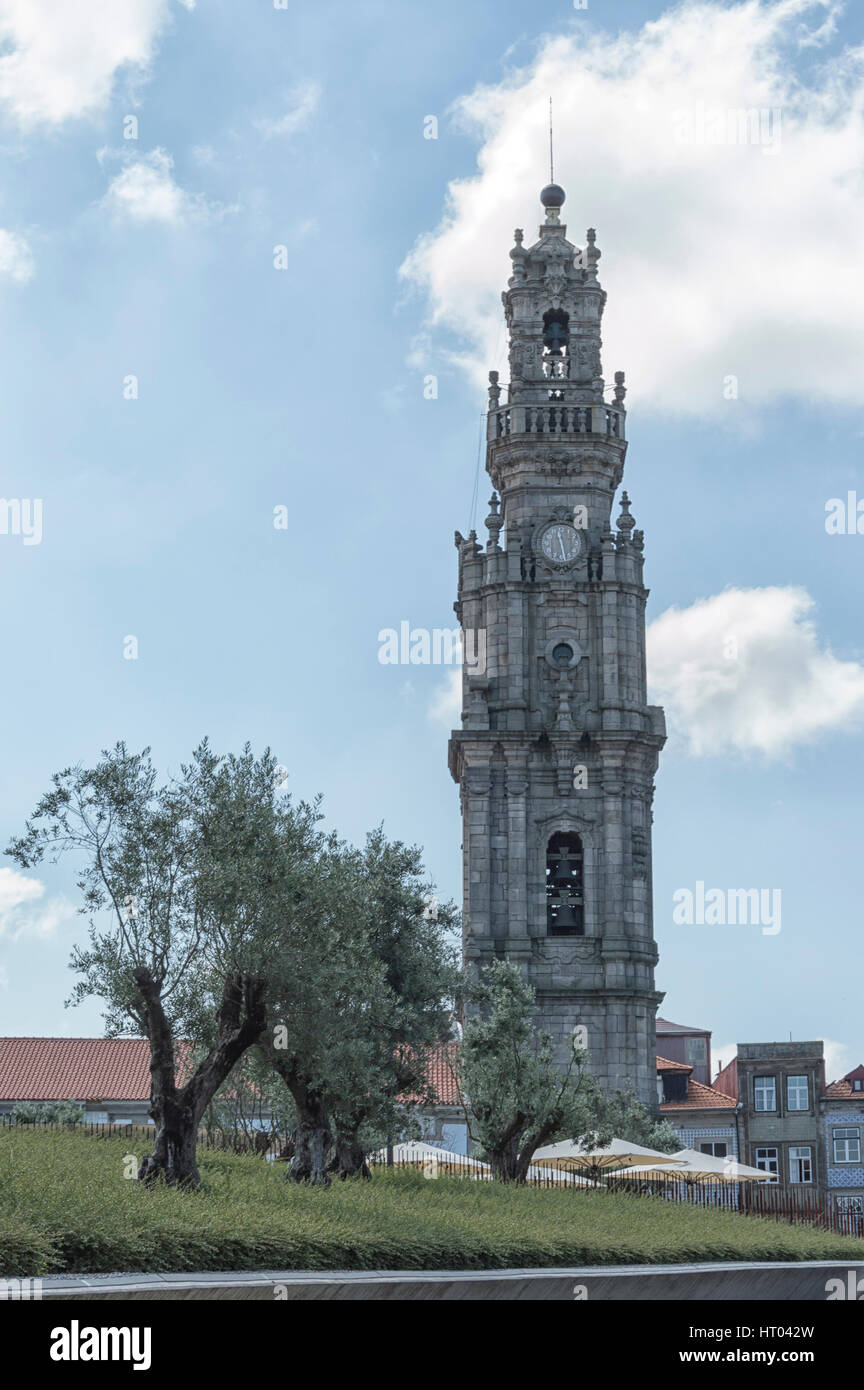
{"type": "Point", "coordinates": [565, 907]}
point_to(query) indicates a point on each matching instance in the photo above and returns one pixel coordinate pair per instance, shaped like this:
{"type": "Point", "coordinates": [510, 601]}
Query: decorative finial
{"type": "Point", "coordinates": [494, 522]}
{"type": "Point", "coordinates": [591, 254]}
{"type": "Point", "coordinates": [625, 521]}
{"type": "Point", "coordinates": [552, 197]}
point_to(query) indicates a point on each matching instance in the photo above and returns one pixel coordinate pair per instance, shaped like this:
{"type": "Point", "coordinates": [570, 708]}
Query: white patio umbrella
{"type": "Point", "coordinates": [620, 1153]}
{"type": "Point", "coordinates": [415, 1151]}
{"type": "Point", "coordinates": [697, 1167]}
{"type": "Point", "coordinates": [651, 1170]}
{"type": "Point", "coordinates": [564, 1176]}
{"type": "Point", "coordinates": [711, 1169]}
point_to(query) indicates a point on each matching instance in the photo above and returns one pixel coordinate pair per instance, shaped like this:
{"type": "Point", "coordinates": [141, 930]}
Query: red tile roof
{"type": "Point", "coordinates": [844, 1090]}
{"type": "Point", "coordinates": [664, 1064]}
{"type": "Point", "coordinates": [701, 1097]}
{"type": "Point", "coordinates": [441, 1075]}
{"type": "Point", "coordinates": [74, 1069]}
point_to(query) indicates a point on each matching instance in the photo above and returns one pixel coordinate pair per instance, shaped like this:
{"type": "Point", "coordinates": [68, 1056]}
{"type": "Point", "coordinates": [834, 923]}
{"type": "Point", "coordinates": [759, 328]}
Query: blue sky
{"type": "Point", "coordinates": [303, 387]}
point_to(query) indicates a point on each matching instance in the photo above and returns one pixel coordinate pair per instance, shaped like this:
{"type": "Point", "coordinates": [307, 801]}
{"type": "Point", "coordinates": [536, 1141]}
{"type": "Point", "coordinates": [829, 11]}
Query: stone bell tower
{"type": "Point", "coordinates": [558, 748]}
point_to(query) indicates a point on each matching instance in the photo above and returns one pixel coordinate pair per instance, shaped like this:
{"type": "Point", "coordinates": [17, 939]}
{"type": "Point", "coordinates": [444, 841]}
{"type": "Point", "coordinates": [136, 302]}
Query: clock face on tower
{"type": "Point", "coordinates": [561, 543]}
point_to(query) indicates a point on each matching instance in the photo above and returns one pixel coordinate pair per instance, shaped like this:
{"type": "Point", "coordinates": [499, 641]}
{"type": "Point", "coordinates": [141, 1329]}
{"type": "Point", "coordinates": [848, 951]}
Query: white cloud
{"type": "Point", "coordinates": [838, 1060]}
{"type": "Point", "coordinates": [145, 190]}
{"type": "Point", "coordinates": [16, 258]}
{"type": "Point", "coordinates": [719, 259]}
{"type": "Point", "coordinates": [745, 671]}
{"type": "Point", "coordinates": [445, 707]}
{"type": "Point", "coordinates": [301, 104]}
{"type": "Point", "coordinates": [721, 1056]}
{"type": "Point", "coordinates": [19, 913]}
{"type": "Point", "coordinates": [204, 154]}
{"type": "Point", "coordinates": [16, 888]}
{"type": "Point", "coordinates": [61, 59]}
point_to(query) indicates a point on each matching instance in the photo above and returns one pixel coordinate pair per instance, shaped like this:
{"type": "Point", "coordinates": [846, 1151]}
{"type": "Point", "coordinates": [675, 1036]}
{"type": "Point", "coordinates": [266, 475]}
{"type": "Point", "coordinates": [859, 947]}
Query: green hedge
{"type": "Point", "coordinates": [65, 1204]}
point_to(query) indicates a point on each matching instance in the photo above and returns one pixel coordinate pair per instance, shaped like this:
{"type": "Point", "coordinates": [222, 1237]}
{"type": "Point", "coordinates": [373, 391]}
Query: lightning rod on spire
{"type": "Point", "coordinates": [551, 164]}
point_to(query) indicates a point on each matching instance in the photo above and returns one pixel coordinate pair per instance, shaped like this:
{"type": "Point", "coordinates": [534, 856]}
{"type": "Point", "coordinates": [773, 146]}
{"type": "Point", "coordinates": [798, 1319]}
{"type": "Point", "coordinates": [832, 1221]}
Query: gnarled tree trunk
{"type": "Point", "coordinates": [177, 1111]}
{"type": "Point", "coordinates": [313, 1136]}
{"type": "Point", "coordinates": [510, 1160]}
{"type": "Point", "coordinates": [349, 1158]}
{"type": "Point", "coordinates": [504, 1161]}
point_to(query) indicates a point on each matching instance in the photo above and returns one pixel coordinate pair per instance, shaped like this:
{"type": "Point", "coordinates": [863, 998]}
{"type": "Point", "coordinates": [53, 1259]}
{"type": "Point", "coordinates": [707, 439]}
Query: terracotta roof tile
{"type": "Point", "coordinates": [844, 1089]}
{"type": "Point", "coordinates": [700, 1097]}
{"type": "Point", "coordinates": [83, 1069]}
{"type": "Point", "coordinates": [664, 1064]}
{"type": "Point", "coordinates": [441, 1076]}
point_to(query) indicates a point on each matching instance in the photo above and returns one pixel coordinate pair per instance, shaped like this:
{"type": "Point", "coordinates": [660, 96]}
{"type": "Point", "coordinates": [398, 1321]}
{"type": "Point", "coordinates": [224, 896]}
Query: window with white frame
{"type": "Point", "coordinates": [764, 1093]}
{"type": "Point", "coordinates": [851, 1204]}
{"type": "Point", "coordinates": [800, 1164]}
{"type": "Point", "coordinates": [847, 1144]}
{"type": "Point", "coordinates": [797, 1093]}
{"type": "Point", "coordinates": [697, 1050]}
{"type": "Point", "coordinates": [769, 1161]}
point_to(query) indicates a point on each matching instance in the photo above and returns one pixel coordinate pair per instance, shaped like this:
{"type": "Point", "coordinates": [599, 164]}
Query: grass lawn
{"type": "Point", "coordinates": [65, 1205]}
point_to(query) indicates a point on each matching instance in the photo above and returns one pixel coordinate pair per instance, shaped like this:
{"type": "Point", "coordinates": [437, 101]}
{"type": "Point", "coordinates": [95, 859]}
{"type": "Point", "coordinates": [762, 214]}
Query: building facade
{"type": "Point", "coordinates": [843, 1123]}
{"type": "Point", "coordinates": [706, 1119]}
{"type": "Point", "coordinates": [779, 1087]}
{"type": "Point", "coordinates": [692, 1046]}
{"type": "Point", "coordinates": [558, 747]}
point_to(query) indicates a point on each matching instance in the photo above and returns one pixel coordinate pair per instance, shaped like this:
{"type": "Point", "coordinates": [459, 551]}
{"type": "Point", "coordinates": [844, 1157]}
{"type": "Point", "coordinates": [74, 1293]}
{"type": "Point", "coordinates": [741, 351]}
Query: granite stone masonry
{"type": "Point", "coordinates": [558, 747]}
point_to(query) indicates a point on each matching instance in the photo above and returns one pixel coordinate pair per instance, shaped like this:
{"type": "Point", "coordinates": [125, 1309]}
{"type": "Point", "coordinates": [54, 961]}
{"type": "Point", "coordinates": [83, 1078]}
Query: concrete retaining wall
{"type": "Point", "coordinates": [798, 1282]}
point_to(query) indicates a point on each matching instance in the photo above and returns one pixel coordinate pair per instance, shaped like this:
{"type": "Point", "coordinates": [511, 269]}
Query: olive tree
{"type": "Point", "coordinates": [180, 882]}
{"type": "Point", "coordinates": [515, 1097]}
{"type": "Point", "coordinates": [408, 933]}
{"type": "Point", "coordinates": [355, 1008]}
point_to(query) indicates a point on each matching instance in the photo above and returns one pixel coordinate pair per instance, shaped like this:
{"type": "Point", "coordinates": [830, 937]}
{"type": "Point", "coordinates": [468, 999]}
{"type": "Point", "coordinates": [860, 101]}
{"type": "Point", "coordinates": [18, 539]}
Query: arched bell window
{"type": "Point", "coordinates": [556, 349]}
{"type": "Point", "coordinates": [556, 331]}
{"type": "Point", "coordinates": [565, 907]}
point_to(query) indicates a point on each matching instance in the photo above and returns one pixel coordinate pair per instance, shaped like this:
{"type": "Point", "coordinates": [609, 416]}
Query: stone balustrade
{"type": "Point", "coordinates": [555, 419]}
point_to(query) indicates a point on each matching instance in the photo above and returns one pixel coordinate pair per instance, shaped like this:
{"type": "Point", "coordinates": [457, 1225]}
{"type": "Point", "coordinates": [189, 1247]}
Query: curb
{"type": "Point", "coordinates": [804, 1281]}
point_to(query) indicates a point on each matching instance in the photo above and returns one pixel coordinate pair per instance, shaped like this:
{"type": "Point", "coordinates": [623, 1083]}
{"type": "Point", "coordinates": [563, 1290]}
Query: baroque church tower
{"type": "Point", "coordinates": [558, 748]}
